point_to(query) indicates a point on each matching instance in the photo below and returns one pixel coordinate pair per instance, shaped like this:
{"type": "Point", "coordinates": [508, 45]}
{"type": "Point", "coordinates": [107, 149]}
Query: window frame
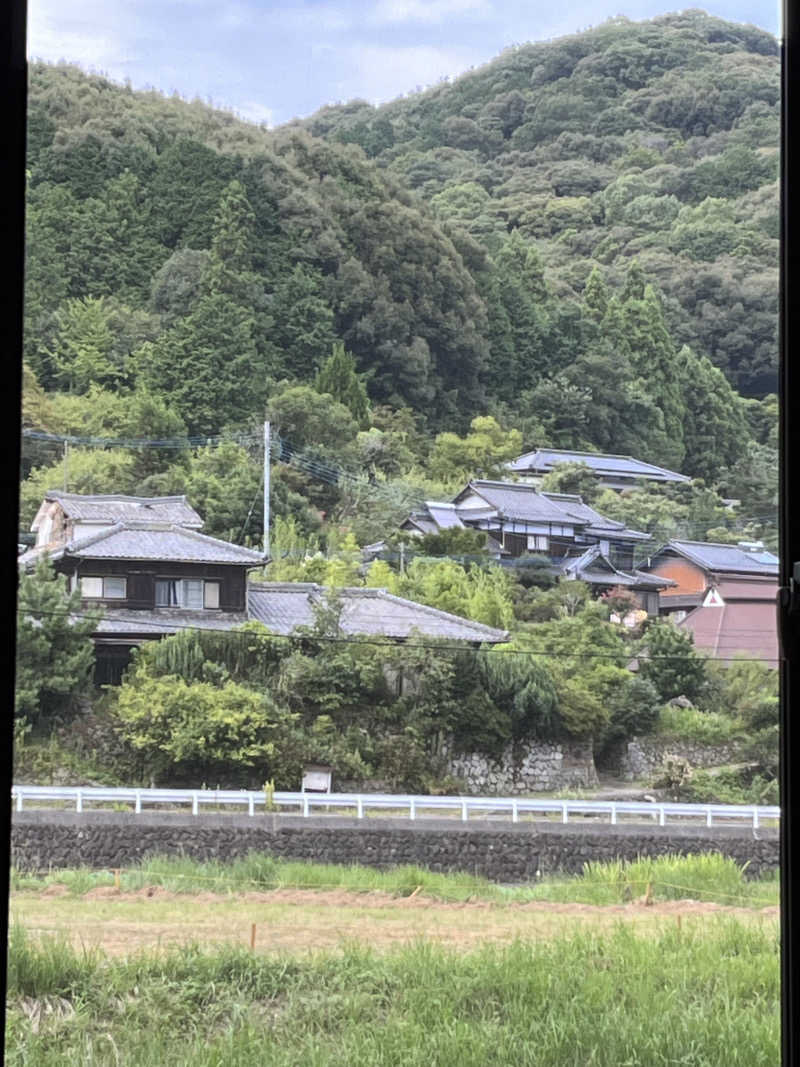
{"type": "Point", "coordinates": [182, 585]}
{"type": "Point", "coordinates": [103, 578]}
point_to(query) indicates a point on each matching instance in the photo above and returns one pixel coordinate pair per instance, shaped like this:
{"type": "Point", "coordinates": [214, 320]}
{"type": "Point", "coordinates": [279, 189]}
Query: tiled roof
{"type": "Point", "coordinates": [156, 541]}
{"type": "Point", "coordinates": [542, 460]}
{"type": "Point", "coordinates": [514, 500]}
{"type": "Point", "coordinates": [283, 606]}
{"type": "Point", "coordinates": [720, 558]}
{"type": "Point", "coordinates": [738, 628]}
{"type": "Point", "coordinates": [119, 508]}
{"type": "Point", "coordinates": [444, 515]}
{"type": "Point", "coordinates": [159, 621]}
{"type": "Point", "coordinates": [596, 569]}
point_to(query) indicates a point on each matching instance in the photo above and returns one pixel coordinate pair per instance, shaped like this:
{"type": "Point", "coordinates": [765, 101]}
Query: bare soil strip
{"type": "Point", "coordinates": [302, 920]}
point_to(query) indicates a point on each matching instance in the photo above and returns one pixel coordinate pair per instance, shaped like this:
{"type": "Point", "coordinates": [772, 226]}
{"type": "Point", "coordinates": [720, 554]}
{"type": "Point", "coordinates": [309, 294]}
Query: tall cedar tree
{"type": "Point", "coordinates": [337, 376]}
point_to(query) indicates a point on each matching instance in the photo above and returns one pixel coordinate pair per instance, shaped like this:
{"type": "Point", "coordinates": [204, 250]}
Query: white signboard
{"type": "Point", "coordinates": [316, 780]}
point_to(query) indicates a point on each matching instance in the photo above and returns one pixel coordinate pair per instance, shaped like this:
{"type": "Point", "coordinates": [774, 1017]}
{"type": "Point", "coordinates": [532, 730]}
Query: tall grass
{"type": "Point", "coordinates": [709, 877]}
{"type": "Point", "coordinates": [699, 998]}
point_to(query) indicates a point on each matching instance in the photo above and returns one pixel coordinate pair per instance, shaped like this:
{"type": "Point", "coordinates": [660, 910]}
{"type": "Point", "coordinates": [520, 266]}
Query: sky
{"type": "Point", "coordinates": [272, 61]}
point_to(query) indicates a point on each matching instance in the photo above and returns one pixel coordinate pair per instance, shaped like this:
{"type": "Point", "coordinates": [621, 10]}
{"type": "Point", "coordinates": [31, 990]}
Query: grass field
{"type": "Point", "coordinates": [356, 967]}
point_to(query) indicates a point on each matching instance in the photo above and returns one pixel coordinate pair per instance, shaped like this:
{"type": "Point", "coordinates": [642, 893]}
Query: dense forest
{"type": "Point", "coordinates": [574, 245]}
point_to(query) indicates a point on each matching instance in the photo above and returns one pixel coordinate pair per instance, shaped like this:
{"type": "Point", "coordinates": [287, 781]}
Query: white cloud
{"type": "Point", "coordinates": [382, 72]}
{"type": "Point", "coordinates": [430, 11]}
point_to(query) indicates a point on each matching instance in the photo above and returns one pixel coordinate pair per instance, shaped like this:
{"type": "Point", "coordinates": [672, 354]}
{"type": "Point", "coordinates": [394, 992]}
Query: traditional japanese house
{"type": "Point", "coordinates": [612, 472]}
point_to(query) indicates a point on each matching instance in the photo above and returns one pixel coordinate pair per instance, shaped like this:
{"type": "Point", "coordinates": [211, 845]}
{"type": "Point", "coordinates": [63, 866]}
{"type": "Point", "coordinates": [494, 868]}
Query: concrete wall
{"type": "Point", "coordinates": [536, 767]}
{"type": "Point", "coordinates": [500, 851]}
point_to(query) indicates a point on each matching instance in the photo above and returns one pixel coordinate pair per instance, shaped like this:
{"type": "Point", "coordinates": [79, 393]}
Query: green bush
{"type": "Point", "coordinates": [703, 727]}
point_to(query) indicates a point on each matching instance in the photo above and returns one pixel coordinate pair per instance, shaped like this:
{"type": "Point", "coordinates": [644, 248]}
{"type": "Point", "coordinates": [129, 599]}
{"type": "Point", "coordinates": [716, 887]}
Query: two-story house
{"type": "Point", "coordinates": [146, 563]}
{"type": "Point", "coordinates": [576, 541]}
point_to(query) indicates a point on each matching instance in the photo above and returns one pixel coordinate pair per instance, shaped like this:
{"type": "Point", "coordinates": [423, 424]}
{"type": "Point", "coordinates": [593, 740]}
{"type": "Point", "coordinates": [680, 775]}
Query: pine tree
{"type": "Point", "coordinates": [337, 376]}
{"type": "Point", "coordinates": [303, 324]}
{"type": "Point", "coordinates": [635, 283]}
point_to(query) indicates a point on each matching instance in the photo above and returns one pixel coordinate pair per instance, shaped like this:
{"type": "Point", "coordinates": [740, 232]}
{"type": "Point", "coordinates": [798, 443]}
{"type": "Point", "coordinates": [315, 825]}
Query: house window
{"type": "Point", "coordinates": [538, 543]}
{"type": "Point", "coordinates": [103, 588]}
{"type": "Point", "coordinates": [191, 593]}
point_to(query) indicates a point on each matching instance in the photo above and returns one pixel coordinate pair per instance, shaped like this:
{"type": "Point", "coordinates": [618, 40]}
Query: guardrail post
{"type": "Point", "coordinates": [708, 817]}
{"type": "Point", "coordinates": [78, 801]}
{"type": "Point", "coordinates": [412, 809]}
{"type": "Point", "coordinates": [305, 807]}
{"type": "Point", "coordinates": [19, 801]}
{"type": "Point", "coordinates": [564, 813]}
{"type": "Point", "coordinates": [359, 807]}
{"type": "Point", "coordinates": [251, 806]}
{"type": "Point", "coordinates": [755, 818]}
{"type": "Point", "coordinates": [514, 811]}
{"type": "Point", "coordinates": [464, 811]}
{"type": "Point", "coordinates": [137, 807]}
{"type": "Point", "coordinates": [613, 814]}
{"type": "Point", "coordinates": [194, 804]}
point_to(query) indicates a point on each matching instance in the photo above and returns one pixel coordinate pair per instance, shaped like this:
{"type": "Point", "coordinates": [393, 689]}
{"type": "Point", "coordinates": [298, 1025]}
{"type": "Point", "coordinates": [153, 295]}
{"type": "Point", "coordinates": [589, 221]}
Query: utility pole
{"type": "Point", "coordinates": [266, 488]}
{"type": "Point", "coordinates": [66, 465]}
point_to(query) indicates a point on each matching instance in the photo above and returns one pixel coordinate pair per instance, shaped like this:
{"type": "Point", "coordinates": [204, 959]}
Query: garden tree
{"type": "Point", "coordinates": [575, 478]}
{"type": "Point", "coordinates": [55, 652]}
{"type": "Point", "coordinates": [479, 592]}
{"type": "Point", "coordinates": [483, 452]}
{"type": "Point", "coordinates": [303, 324]}
{"type": "Point", "coordinates": [634, 707]}
{"type": "Point", "coordinates": [338, 378]}
{"type": "Point", "coordinates": [86, 470]}
{"type": "Point", "coordinates": [669, 661]}
{"type": "Point", "coordinates": [185, 730]}
{"type": "Point", "coordinates": [544, 600]}
{"type": "Point", "coordinates": [521, 686]}
{"type": "Point", "coordinates": [206, 365]}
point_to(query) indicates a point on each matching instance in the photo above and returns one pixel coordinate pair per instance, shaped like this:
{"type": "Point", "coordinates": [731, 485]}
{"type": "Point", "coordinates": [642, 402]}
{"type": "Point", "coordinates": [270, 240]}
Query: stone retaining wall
{"type": "Point", "coordinates": [537, 767]}
{"type": "Point", "coordinates": [502, 852]}
{"type": "Point", "coordinates": [642, 756]}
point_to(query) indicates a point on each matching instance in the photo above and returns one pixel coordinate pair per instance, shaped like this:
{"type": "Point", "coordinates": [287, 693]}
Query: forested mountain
{"type": "Point", "coordinates": [578, 239]}
{"type": "Point", "coordinates": [655, 139]}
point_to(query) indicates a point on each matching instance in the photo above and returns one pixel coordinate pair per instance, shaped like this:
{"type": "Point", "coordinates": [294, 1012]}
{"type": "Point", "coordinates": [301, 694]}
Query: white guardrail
{"type": "Point", "coordinates": [82, 798]}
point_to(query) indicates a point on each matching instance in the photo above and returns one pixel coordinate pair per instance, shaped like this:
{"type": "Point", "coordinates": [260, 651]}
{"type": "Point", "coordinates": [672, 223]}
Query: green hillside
{"type": "Point", "coordinates": [577, 240]}
{"type": "Point", "coordinates": [655, 139]}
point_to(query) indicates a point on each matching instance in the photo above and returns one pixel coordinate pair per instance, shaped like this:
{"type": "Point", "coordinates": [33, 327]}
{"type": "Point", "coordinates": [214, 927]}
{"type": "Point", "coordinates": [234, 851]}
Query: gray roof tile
{"type": "Point", "coordinates": [129, 540]}
{"type": "Point", "coordinates": [283, 606]}
{"type": "Point", "coordinates": [542, 460]}
{"type": "Point", "coordinates": [117, 507]}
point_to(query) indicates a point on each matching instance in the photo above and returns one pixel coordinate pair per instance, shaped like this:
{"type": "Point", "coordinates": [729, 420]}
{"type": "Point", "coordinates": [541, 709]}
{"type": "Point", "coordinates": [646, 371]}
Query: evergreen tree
{"type": "Point", "coordinates": [55, 653]}
{"type": "Point", "coordinates": [337, 376]}
{"type": "Point", "coordinates": [656, 366]}
{"type": "Point", "coordinates": [595, 295]}
{"type": "Point", "coordinates": [83, 350]}
{"type": "Point", "coordinates": [635, 283]}
{"type": "Point", "coordinates": [303, 330]}
{"type": "Point", "coordinates": [206, 365]}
